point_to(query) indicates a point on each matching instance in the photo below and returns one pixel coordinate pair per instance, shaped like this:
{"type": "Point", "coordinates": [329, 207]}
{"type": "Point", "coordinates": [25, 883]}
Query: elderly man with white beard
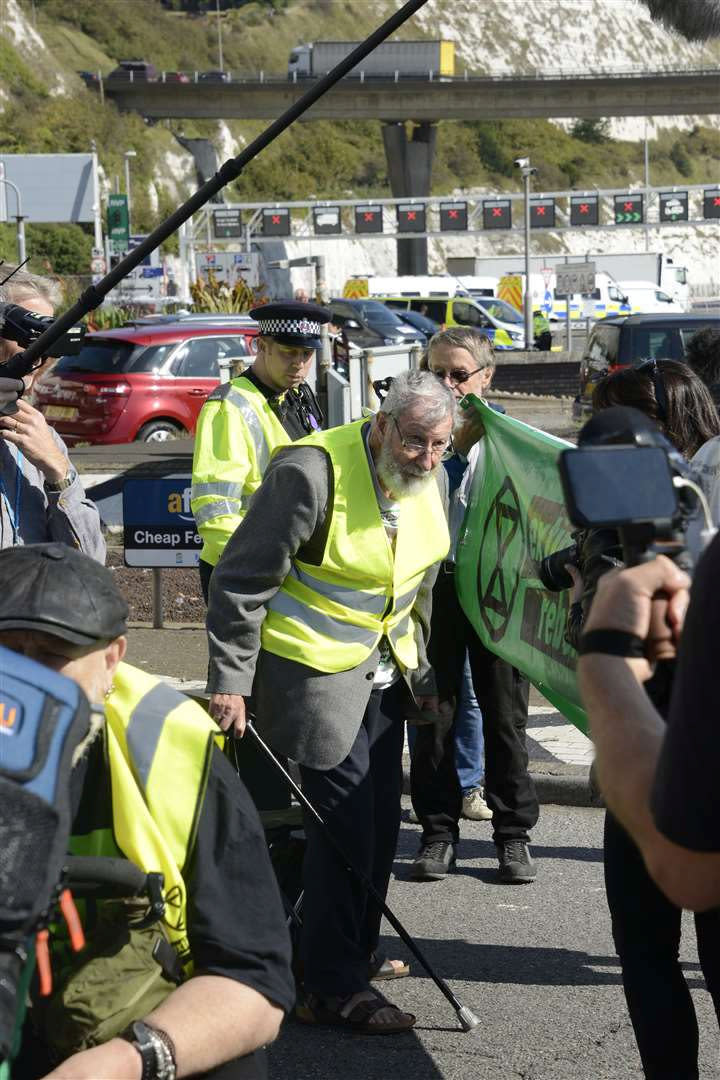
{"type": "Point", "coordinates": [320, 609]}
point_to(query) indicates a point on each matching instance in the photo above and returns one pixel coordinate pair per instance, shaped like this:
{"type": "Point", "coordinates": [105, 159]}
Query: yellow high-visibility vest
{"type": "Point", "coordinates": [159, 744]}
{"type": "Point", "coordinates": [237, 432]}
{"type": "Point", "coordinates": [332, 616]}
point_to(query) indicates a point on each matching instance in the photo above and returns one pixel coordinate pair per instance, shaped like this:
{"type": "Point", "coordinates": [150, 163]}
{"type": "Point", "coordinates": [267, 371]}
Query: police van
{"type": "Point", "coordinates": [499, 321]}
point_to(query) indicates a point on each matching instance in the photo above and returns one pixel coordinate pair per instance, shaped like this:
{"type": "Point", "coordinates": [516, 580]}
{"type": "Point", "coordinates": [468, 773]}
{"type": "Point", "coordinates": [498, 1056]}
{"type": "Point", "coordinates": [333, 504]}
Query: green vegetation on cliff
{"type": "Point", "coordinates": [47, 108]}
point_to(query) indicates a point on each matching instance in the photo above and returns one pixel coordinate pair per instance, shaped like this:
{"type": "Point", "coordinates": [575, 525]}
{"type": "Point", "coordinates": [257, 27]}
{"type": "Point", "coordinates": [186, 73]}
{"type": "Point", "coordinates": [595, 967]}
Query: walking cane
{"type": "Point", "coordinates": [468, 1019]}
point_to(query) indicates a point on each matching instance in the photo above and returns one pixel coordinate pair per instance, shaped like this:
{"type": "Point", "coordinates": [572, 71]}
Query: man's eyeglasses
{"type": "Point", "coordinates": [652, 368]}
{"type": "Point", "coordinates": [413, 445]}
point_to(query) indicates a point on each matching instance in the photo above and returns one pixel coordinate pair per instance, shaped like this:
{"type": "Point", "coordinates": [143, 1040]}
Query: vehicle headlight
{"type": "Point", "coordinates": [514, 335]}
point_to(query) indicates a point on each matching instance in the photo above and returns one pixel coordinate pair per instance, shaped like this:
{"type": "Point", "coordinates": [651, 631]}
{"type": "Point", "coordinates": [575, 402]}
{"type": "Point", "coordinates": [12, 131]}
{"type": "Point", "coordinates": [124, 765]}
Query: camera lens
{"type": "Point", "coordinates": [552, 572]}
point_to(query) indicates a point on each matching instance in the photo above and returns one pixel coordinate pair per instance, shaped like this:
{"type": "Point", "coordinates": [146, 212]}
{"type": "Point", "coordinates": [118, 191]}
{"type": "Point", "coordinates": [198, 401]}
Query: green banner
{"type": "Point", "coordinates": [515, 517]}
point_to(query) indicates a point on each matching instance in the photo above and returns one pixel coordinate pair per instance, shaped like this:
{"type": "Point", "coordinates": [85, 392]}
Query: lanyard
{"type": "Point", "coordinates": [14, 515]}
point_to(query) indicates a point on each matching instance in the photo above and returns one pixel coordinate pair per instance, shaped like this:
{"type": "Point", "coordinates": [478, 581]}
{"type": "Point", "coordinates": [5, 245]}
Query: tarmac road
{"type": "Point", "coordinates": [534, 962]}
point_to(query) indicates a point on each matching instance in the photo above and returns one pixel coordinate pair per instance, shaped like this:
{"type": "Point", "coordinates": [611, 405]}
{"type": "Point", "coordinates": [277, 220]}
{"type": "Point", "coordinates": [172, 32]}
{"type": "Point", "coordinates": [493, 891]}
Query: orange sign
{"type": "Point", "coordinates": [8, 715]}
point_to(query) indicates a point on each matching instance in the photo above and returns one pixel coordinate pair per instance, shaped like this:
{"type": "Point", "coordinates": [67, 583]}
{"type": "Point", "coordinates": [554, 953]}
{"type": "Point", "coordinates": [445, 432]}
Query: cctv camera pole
{"type": "Point", "coordinates": [527, 303]}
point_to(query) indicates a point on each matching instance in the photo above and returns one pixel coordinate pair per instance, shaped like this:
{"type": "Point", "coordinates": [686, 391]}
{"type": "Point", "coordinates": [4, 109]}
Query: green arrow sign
{"type": "Point", "coordinates": [623, 219]}
{"type": "Point", "coordinates": [118, 224]}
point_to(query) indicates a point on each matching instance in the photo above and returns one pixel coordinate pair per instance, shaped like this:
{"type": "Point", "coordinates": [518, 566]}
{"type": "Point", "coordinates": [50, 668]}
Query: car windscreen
{"type": "Point", "coordinates": [376, 313]}
{"type": "Point", "coordinates": [501, 310]}
{"type": "Point", "coordinates": [114, 358]}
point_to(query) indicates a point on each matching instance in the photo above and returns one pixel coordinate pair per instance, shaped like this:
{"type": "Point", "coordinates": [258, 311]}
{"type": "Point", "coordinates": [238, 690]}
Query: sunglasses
{"type": "Point", "coordinates": [457, 376]}
{"type": "Point", "coordinates": [652, 368]}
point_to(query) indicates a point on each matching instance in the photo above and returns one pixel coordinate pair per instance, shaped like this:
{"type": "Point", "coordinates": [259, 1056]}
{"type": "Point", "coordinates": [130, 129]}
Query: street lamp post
{"type": "Point", "coordinates": [219, 33]}
{"type": "Point", "coordinates": [19, 218]}
{"type": "Point", "coordinates": [128, 154]}
{"type": "Point", "coordinates": [526, 171]}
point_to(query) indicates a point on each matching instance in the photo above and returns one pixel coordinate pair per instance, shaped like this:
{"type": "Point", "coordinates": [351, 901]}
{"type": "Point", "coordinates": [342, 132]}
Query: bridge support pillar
{"type": "Point", "coordinates": [409, 164]}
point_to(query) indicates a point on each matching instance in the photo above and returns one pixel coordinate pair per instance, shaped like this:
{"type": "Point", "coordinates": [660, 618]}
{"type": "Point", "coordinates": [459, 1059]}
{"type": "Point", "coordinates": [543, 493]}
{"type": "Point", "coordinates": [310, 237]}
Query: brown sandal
{"type": "Point", "coordinates": [357, 1017]}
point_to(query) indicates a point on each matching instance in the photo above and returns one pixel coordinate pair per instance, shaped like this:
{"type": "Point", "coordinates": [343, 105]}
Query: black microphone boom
{"type": "Point", "coordinates": [92, 297]}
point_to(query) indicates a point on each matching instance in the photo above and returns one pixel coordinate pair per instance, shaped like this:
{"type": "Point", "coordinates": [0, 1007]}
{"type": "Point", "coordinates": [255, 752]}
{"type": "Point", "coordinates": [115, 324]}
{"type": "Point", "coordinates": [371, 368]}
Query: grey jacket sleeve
{"type": "Point", "coordinates": [282, 516]}
{"type": "Point", "coordinates": [72, 518]}
{"type": "Point", "coordinates": [422, 679]}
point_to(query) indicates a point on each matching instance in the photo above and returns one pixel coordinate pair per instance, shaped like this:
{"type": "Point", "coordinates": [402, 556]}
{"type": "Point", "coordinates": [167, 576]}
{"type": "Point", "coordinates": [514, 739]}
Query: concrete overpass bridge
{"type": "Point", "coordinates": [592, 95]}
{"type": "Point", "coordinates": [426, 101]}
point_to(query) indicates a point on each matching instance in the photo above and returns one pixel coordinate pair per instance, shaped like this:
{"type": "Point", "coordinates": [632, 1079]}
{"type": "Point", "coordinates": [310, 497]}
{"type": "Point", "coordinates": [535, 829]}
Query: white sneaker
{"type": "Point", "coordinates": [474, 806]}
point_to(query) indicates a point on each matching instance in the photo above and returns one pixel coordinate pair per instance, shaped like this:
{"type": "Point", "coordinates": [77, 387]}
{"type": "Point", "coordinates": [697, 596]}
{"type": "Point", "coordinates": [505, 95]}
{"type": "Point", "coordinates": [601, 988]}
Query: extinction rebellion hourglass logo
{"type": "Point", "coordinates": [502, 553]}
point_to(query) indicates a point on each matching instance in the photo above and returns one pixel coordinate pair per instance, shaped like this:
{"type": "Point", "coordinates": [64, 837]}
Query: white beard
{"type": "Point", "coordinates": [400, 483]}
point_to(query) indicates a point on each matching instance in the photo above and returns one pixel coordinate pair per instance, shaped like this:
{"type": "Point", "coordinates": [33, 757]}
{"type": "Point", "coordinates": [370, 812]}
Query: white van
{"type": "Point", "coordinates": [645, 297]}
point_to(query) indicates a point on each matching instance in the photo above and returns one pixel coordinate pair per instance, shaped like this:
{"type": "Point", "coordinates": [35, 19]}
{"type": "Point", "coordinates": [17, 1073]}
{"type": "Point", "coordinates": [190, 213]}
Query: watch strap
{"type": "Point", "coordinates": [612, 643]}
{"type": "Point", "coordinates": [139, 1036]}
{"type": "Point", "coordinates": [61, 485]}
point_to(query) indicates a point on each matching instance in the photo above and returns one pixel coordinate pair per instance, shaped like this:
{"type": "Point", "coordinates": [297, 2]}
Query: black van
{"type": "Point", "coordinates": [617, 342]}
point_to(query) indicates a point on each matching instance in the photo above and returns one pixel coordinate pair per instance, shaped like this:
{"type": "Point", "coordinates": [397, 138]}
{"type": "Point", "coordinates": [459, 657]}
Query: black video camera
{"type": "Point", "coordinates": [552, 572]}
{"type": "Point", "coordinates": [627, 476]}
{"type": "Point", "coordinates": [23, 326]}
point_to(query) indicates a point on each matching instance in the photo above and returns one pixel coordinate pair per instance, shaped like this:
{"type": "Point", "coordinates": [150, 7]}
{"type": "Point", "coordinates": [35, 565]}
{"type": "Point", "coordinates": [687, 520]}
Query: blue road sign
{"type": "Point", "coordinates": [158, 526]}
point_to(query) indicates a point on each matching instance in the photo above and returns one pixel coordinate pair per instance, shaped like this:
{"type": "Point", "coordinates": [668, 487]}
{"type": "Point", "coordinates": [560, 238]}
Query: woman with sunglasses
{"type": "Point", "coordinates": [645, 924]}
{"type": "Point", "coordinates": [462, 358]}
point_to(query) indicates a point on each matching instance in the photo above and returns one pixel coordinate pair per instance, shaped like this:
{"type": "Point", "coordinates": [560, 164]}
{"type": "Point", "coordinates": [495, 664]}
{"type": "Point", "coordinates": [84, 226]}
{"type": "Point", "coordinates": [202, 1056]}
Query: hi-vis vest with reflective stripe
{"type": "Point", "coordinates": [331, 617]}
{"type": "Point", "coordinates": [237, 432]}
{"type": "Point", "coordinates": [158, 749]}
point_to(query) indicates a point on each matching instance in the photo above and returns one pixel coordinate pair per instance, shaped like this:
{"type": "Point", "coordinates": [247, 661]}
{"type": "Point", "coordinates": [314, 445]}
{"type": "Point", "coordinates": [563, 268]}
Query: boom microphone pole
{"type": "Point", "coordinates": [468, 1019]}
{"type": "Point", "coordinates": [23, 363]}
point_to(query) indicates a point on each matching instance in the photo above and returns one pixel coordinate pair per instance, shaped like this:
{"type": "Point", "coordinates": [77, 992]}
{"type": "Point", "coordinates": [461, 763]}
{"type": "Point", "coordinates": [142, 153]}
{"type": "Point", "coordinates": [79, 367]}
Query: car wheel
{"type": "Point", "coordinates": [160, 431]}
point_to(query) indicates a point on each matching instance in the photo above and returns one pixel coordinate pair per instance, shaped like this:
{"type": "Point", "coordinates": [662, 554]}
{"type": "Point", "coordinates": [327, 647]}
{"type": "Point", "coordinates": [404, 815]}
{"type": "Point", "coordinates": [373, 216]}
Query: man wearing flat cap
{"type": "Point", "coordinates": [243, 422]}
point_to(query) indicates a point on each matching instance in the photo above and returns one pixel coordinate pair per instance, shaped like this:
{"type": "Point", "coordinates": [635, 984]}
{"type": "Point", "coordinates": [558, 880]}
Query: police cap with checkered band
{"type": "Point", "coordinates": [291, 322]}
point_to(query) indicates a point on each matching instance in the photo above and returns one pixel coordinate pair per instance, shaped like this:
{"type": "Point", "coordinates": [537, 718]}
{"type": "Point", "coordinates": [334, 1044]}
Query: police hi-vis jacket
{"type": "Point", "coordinates": [237, 432]}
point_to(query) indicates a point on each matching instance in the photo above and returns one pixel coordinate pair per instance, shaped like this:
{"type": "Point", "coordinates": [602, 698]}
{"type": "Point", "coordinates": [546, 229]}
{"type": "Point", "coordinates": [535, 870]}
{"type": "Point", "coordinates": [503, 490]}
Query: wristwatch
{"type": "Point", "coordinates": [156, 1050]}
{"type": "Point", "coordinates": [60, 485]}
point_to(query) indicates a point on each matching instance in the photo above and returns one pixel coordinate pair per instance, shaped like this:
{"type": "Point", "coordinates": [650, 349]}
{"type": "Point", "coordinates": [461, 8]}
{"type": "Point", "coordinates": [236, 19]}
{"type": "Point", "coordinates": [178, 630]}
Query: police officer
{"type": "Point", "coordinates": [243, 421]}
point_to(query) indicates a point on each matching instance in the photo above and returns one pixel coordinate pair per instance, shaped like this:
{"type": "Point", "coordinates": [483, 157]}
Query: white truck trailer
{"type": "Point", "coordinates": [390, 60]}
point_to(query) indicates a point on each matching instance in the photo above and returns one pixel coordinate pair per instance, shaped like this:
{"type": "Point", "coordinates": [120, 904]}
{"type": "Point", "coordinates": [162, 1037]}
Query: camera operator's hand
{"type": "Point", "coordinates": [578, 585]}
{"type": "Point", "coordinates": [29, 431]}
{"type": "Point", "coordinates": [648, 601]}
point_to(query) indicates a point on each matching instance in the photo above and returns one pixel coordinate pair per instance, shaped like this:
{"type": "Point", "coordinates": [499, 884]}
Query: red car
{"type": "Point", "coordinates": [146, 381]}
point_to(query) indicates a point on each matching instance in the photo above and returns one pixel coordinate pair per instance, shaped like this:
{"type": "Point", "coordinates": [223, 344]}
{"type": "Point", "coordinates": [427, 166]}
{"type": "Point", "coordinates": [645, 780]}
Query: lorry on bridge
{"type": "Point", "coordinates": [390, 60]}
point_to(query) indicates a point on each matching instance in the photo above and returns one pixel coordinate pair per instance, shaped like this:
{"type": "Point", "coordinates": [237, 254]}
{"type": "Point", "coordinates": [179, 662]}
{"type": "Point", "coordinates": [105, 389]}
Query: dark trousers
{"type": "Point", "coordinates": [502, 694]}
{"type": "Point", "coordinates": [205, 570]}
{"type": "Point", "coordinates": [359, 800]}
{"type": "Point", "coordinates": [646, 932]}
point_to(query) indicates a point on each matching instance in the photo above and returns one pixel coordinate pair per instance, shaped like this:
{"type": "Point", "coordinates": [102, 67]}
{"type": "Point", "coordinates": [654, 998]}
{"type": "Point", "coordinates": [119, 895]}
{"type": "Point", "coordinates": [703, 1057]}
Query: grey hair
{"type": "Point", "coordinates": [23, 285]}
{"type": "Point", "coordinates": [412, 388]}
{"type": "Point", "coordinates": [469, 338]}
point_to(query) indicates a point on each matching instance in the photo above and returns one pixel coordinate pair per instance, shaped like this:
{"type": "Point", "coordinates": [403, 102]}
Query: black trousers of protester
{"type": "Point", "coordinates": [359, 800]}
{"type": "Point", "coordinates": [646, 932]}
{"type": "Point", "coordinates": [502, 693]}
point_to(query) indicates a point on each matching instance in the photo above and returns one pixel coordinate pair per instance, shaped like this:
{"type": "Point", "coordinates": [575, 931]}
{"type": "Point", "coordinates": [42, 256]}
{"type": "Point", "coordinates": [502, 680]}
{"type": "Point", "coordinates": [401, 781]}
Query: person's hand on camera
{"type": "Point", "coordinates": [578, 585]}
{"type": "Point", "coordinates": [29, 431]}
{"type": "Point", "coordinates": [228, 711]}
{"type": "Point", "coordinates": [648, 601]}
